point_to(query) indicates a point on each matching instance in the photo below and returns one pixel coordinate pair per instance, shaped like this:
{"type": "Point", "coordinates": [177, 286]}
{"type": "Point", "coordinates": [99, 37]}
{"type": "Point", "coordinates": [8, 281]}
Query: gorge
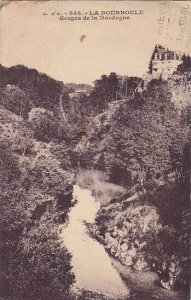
{"type": "Point", "coordinates": [92, 188]}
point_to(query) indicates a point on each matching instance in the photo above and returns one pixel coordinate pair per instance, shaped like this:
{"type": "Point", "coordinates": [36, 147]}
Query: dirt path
{"type": "Point", "coordinates": [145, 285]}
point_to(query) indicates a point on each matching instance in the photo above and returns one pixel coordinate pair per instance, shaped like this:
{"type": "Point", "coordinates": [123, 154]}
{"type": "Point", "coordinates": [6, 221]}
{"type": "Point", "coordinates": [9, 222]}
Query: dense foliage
{"type": "Point", "coordinates": [143, 139]}
{"type": "Point", "coordinates": [39, 89]}
{"type": "Point", "coordinates": [108, 88]}
{"type": "Point", "coordinates": [185, 66]}
{"type": "Point", "coordinates": [33, 265]}
{"type": "Point", "coordinates": [36, 188]}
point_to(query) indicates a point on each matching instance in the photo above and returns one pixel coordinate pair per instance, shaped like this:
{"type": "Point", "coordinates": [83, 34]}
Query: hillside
{"type": "Point", "coordinates": [37, 180]}
{"type": "Point", "coordinates": [142, 143]}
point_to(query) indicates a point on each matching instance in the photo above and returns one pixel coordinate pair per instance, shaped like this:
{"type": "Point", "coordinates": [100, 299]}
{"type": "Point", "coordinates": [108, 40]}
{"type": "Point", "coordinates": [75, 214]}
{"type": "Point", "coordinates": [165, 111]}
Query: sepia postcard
{"type": "Point", "coordinates": [95, 115]}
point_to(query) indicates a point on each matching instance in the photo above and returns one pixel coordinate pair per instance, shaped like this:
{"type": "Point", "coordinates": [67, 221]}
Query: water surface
{"type": "Point", "coordinates": [91, 264]}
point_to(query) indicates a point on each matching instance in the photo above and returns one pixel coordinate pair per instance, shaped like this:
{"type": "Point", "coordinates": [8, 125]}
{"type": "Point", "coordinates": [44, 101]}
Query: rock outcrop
{"type": "Point", "coordinates": [126, 235]}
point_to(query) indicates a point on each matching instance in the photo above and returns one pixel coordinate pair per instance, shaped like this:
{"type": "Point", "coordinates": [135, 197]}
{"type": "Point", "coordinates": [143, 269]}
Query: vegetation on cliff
{"type": "Point", "coordinates": [141, 139]}
{"type": "Point", "coordinates": [143, 144]}
{"type": "Point", "coordinates": [36, 187]}
{"type": "Point", "coordinates": [33, 265]}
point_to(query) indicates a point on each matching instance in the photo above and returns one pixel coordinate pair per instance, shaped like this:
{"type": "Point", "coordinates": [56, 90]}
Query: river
{"type": "Point", "coordinates": [92, 265]}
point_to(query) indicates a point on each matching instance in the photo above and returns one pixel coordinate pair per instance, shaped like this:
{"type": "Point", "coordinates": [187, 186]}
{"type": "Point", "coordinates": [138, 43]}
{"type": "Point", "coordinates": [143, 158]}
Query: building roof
{"type": "Point", "coordinates": [164, 53]}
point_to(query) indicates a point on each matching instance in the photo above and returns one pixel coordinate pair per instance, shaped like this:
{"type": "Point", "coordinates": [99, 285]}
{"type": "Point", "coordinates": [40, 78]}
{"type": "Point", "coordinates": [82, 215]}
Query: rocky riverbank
{"type": "Point", "coordinates": [126, 229]}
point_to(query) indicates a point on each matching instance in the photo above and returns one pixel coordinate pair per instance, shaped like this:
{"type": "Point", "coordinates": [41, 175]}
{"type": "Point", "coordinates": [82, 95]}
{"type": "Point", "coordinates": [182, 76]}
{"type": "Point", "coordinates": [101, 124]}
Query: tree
{"type": "Point", "coordinates": [43, 123]}
{"type": "Point", "coordinates": [9, 167]}
{"type": "Point", "coordinates": [46, 173]}
{"type": "Point", "coordinates": [129, 85]}
{"type": "Point", "coordinates": [104, 91]}
{"type": "Point", "coordinates": [22, 140]}
{"type": "Point", "coordinates": [185, 66]}
{"type": "Point", "coordinates": [113, 85]}
{"type": "Point", "coordinates": [41, 267]}
{"type": "Point", "coordinates": [152, 57]}
{"type": "Point", "coordinates": [15, 100]}
{"type": "Point", "coordinates": [40, 89]}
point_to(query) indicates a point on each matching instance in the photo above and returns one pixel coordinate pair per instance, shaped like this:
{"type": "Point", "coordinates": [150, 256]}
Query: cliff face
{"type": "Point", "coordinates": [181, 91]}
{"type": "Point", "coordinates": [124, 234]}
{"type": "Point", "coordinates": [180, 86]}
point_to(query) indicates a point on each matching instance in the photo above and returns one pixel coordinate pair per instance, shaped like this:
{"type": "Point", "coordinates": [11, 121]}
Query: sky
{"type": "Point", "coordinates": [55, 46]}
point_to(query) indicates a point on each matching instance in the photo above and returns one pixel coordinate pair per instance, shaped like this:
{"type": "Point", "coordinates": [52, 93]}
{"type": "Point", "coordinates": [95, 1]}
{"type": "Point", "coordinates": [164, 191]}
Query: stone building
{"type": "Point", "coordinates": [164, 62]}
